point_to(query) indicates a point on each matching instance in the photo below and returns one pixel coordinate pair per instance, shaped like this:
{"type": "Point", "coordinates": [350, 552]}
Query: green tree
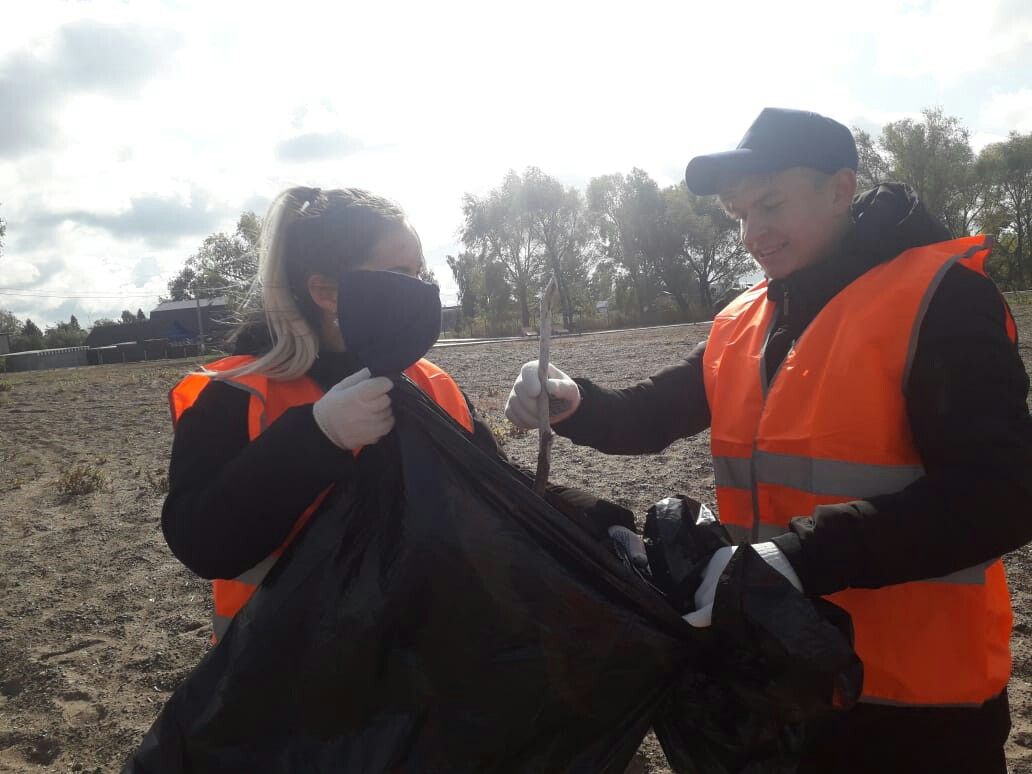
{"type": "Point", "coordinates": [469, 279]}
{"type": "Point", "coordinates": [713, 251]}
{"type": "Point", "coordinates": [63, 334]}
{"type": "Point", "coordinates": [9, 323]}
{"type": "Point", "coordinates": [128, 318]}
{"type": "Point", "coordinates": [499, 228]}
{"type": "Point", "coordinates": [559, 224]}
{"type": "Point", "coordinates": [872, 168]}
{"type": "Point", "coordinates": [1007, 169]}
{"type": "Point", "coordinates": [30, 338]}
{"type": "Point", "coordinates": [627, 212]}
{"type": "Point", "coordinates": [225, 264]}
{"type": "Point", "coordinates": [933, 156]}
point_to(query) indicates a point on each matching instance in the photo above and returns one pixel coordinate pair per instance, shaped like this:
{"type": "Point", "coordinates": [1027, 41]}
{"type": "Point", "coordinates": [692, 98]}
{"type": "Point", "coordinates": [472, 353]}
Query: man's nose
{"type": "Point", "coordinates": [752, 230]}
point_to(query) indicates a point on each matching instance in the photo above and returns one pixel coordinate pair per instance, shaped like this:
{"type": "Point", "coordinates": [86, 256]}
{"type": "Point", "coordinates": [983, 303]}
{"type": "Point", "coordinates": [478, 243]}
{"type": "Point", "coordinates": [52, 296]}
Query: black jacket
{"type": "Point", "coordinates": [233, 501]}
{"type": "Point", "coordinates": [965, 400]}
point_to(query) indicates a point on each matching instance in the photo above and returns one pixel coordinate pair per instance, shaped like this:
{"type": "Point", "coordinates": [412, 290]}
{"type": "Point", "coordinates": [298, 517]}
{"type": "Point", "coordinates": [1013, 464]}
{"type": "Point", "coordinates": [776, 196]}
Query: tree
{"type": "Point", "coordinates": [872, 168]}
{"type": "Point", "coordinates": [30, 338]}
{"type": "Point", "coordinates": [559, 224]}
{"type": "Point", "coordinates": [140, 316]}
{"type": "Point", "coordinates": [104, 321]}
{"type": "Point", "coordinates": [627, 211]}
{"type": "Point", "coordinates": [469, 280]}
{"type": "Point", "coordinates": [1007, 169]}
{"type": "Point", "coordinates": [933, 156]}
{"type": "Point", "coordinates": [500, 229]}
{"type": "Point", "coordinates": [67, 334]}
{"type": "Point", "coordinates": [714, 253]}
{"type": "Point", "coordinates": [223, 265]}
{"type": "Point", "coordinates": [128, 318]}
{"type": "Point", "coordinates": [9, 323]}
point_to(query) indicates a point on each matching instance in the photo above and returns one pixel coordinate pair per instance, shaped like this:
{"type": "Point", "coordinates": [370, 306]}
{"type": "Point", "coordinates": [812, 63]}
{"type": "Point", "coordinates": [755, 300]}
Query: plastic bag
{"type": "Point", "coordinates": [439, 616]}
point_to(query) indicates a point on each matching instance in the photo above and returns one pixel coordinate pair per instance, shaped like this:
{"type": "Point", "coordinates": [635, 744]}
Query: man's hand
{"type": "Point", "coordinates": [705, 594]}
{"type": "Point", "coordinates": [563, 396]}
{"type": "Point", "coordinates": [356, 411]}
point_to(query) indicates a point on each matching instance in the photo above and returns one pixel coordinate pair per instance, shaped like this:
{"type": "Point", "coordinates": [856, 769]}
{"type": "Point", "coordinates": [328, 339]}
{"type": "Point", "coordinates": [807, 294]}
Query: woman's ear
{"type": "Point", "coordinates": [323, 291]}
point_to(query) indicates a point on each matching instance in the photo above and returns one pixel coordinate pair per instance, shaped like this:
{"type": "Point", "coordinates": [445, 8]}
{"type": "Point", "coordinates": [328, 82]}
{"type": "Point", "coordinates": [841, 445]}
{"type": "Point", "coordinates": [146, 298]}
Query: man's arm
{"type": "Point", "coordinates": [966, 401]}
{"type": "Point", "coordinates": [645, 417]}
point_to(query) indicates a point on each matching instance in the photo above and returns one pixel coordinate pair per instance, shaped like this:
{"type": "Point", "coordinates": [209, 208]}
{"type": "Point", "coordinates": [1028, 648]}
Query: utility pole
{"type": "Point", "coordinates": [200, 325]}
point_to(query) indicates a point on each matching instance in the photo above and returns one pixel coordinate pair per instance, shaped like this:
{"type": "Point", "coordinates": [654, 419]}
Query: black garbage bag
{"type": "Point", "coordinates": [772, 659]}
{"type": "Point", "coordinates": [439, 616]}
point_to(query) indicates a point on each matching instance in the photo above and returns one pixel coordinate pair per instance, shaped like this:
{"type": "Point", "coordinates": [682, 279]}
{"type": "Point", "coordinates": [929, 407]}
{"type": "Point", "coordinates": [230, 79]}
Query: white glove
{"type": "Point", "coordinates": [632, 544]}
{"type": "Point", "coordinates": [704, 595]}
{"type": "Point", "coordinates": [563, 396]}
{"type": "Point", "coordinates": [356, 411]}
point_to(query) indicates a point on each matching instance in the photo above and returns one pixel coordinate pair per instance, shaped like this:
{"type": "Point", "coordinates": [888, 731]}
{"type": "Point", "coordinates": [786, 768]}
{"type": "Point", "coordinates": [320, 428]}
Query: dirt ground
{"type": "Point", "coordinates": [99, 622]}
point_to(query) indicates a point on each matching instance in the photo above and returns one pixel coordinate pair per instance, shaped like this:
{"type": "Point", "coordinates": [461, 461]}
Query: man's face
{"type": "Point", "coordinates": [792, 218]}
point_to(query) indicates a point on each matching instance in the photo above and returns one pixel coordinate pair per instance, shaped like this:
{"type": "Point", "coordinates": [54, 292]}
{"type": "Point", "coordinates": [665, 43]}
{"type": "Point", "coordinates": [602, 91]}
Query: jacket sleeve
{"type": "Point", "coordinates": [231, 501]}
{"type": "Point", "coordinates": [966, 403]}
{"type": "Point", "coordinates": [646, 417]}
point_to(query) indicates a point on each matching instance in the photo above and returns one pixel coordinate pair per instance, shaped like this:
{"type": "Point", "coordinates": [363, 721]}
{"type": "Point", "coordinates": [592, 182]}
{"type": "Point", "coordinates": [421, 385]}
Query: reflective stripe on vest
{"type": "Point", "coordinates": [831, 427]}
{"type": "Point", "coordinates": [269, 399]}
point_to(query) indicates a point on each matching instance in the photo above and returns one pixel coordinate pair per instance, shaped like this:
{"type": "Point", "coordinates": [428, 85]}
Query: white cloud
{"type": "Point", "coordinates": [16, 273]}
{"type": "Point", "coordinates": [920, 37]}
{"type": "Point", "coordinates": [422, 102]}
{"type": "Point", "coordinates": [1008, 112]}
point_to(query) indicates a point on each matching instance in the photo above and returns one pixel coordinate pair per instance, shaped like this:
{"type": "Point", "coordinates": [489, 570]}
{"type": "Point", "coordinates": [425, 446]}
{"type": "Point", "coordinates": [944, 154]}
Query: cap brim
{"type": "Point", "coordinates": [707, 175]}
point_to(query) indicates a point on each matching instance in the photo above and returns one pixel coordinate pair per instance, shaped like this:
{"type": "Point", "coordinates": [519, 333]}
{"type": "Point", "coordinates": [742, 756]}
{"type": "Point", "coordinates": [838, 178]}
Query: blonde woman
{"type": "Point", "coordinates": [261, 438]}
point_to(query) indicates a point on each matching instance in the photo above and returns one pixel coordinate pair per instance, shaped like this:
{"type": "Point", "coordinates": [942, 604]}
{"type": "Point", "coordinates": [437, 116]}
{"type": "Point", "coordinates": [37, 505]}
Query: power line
{"type": "Point", "coordinates": [102, 296]}
{"type": "Point", "coordinates": [98, 298]}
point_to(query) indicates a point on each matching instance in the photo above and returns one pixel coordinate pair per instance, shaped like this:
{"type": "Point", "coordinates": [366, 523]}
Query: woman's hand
{"type": "Point", "coordinates": [356, 411]}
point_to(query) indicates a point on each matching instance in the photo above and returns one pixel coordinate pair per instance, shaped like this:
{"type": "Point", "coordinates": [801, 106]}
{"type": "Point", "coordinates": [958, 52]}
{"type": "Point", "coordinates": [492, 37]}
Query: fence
{"type": "Point", "coordinates": [42, 359]}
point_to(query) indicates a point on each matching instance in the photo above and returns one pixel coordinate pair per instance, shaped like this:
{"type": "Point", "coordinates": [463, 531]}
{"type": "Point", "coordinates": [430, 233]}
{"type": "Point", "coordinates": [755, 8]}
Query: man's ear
{"type": "Point", "coordinates": [843, 189]}
{"type": "Point", "coordinates": [323, 291]}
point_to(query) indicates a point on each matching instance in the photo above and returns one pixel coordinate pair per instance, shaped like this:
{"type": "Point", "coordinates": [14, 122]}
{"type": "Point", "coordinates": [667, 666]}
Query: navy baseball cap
{"type": "Point", "coordinates": [778, 139]}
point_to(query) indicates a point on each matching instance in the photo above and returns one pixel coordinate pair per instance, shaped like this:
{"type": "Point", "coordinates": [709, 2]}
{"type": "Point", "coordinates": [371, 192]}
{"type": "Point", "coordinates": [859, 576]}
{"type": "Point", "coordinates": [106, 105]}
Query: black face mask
{"type": "Point", "coordinates": [388, 320]}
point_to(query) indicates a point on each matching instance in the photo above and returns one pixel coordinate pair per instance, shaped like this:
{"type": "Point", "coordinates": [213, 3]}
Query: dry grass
{"type": "Point", "coordinates": [80, 479]}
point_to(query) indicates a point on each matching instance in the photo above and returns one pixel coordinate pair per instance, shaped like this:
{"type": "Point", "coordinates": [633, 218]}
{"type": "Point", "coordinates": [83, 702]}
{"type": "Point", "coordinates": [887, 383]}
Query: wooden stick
{"type": "Point", "coordinates": [545, 435]}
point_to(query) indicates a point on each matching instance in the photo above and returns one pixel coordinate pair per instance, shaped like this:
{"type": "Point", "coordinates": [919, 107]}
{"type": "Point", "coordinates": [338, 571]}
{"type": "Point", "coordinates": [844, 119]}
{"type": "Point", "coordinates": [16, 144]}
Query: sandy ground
{"type": "Point", "coordinates": [99, 623]}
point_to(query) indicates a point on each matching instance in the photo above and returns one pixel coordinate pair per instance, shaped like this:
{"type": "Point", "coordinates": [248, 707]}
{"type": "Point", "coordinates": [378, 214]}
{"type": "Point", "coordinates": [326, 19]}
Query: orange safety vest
{"type": "Point", "coordinates": [832, 427]}
{"type": "Point", "coordinates": [269, 399]}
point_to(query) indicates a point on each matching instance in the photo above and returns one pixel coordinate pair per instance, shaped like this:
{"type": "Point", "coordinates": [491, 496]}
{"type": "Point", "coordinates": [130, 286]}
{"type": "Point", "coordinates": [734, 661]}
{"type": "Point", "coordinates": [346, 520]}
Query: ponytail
{"type": "Point", "coordinates": [308, 231]}
{"type": "Point", "coordinates": [294, 344]}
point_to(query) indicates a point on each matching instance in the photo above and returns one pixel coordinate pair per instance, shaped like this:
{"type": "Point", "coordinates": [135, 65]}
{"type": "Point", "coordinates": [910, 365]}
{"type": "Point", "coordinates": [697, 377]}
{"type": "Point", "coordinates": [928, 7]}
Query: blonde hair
{"type": "Point", "coordinates": [309, 231]}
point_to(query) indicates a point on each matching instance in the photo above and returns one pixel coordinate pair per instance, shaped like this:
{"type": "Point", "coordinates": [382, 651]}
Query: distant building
{"type": "Point", "coordinates": [119, 333]}
{"type": "Point", "coordinates": [177, 320]}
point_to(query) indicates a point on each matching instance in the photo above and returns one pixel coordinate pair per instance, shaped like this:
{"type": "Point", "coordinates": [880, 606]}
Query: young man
{"type": "Point", "coordinates": [868, 417]}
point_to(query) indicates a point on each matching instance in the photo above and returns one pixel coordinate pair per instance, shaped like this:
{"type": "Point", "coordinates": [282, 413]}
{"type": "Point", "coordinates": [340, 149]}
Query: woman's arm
{"type": "Point", "coordinates": [232, 501]}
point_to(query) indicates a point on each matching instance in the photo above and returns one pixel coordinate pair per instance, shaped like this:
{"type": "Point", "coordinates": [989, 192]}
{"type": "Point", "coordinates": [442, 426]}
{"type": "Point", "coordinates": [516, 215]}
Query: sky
{"type": "Point", "coordinates": [129, 131]}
